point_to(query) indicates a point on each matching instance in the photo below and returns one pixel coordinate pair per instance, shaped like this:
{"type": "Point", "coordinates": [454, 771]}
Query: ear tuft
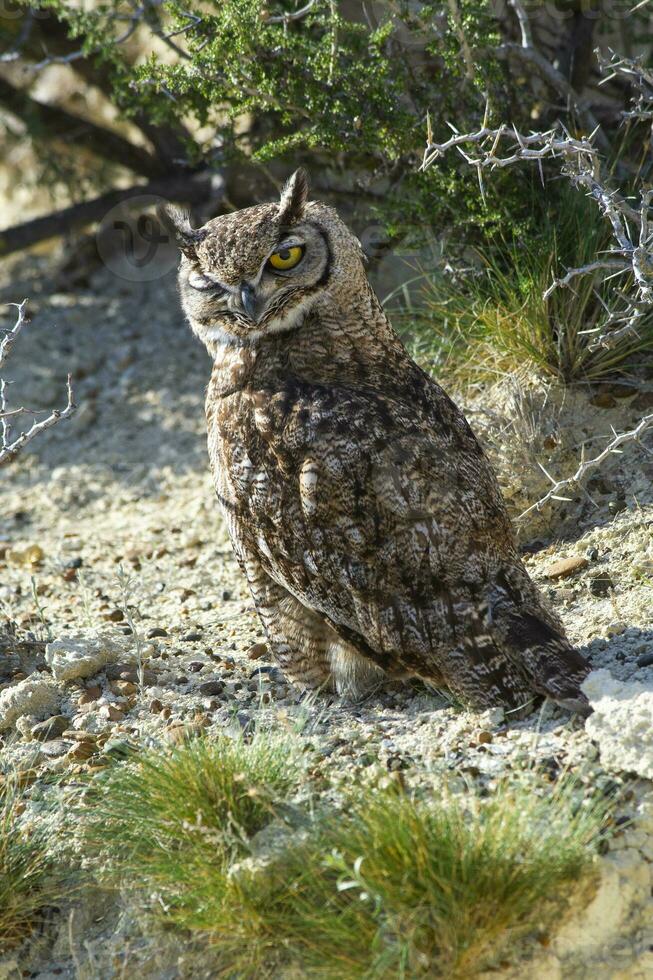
{"type": "Point", "coordinates": [177, 221]}
{"type": "Point", "coordinates": [294, 197]}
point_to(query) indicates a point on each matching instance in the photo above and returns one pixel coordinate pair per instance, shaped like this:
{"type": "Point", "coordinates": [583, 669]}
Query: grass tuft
{"type": "Point", "coordinates": [28, 880]}
{"type": "Point", "coordinates": [494, 320]}
{"type": "Point", "coordinates": [395, 887]}
{"type": "Point", "coordinates": [387, 885]}
{"type": "Point", "coordinates": [173, 820]}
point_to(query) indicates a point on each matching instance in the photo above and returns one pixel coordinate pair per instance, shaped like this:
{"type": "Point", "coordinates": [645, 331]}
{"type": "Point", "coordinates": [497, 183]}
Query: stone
{"type": "Point", "coordinates": [50, 728]}
{"type": "Point", "coordinates": [82, 656]}
{"type": "Point", "coordinates": [211, 688]}
{"type": "Point", "coordinates": [55, 749]}
{"type": "Point", "coordinates": [155, 632]}
{"type": "Point", "coordinates": [258, 651]}
{"type": "Point", "coordinates": [646, 660]}
{"type": "Point", "coordinates": [601, 585]}
{"type": "Point", "coordinates": [621, 723]}
{"type": "Point", "coordinates": [567, 567]}
{"type": "Point", "coordinates": [111, 712]}
{"type": "Point", "coordinates": [193, 637]}
{"type": "Point", "coordinates": [36, 696]}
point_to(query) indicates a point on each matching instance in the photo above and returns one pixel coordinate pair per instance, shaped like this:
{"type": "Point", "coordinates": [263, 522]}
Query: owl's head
{"type": "Point", "coordinates": [261, 270]}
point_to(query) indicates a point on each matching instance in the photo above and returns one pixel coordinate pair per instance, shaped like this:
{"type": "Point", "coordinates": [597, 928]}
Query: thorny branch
{"type": "Point", "coordinates": [634, 435]}
{"type": "Point", "coordinates": [9, 448]}
{"type": "Point", "coordinates": [632, 254]}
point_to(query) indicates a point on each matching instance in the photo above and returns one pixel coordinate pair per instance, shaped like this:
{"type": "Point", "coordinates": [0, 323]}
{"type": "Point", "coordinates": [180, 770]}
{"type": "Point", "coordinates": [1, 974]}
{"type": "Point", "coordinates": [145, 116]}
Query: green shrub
{"type": "Point", "coordinates": [494, 319]}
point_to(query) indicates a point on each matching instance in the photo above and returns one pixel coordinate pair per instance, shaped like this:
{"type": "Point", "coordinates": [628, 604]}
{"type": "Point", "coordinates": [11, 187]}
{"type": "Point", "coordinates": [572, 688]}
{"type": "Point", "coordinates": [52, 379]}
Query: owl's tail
{"type": "Point", "coordinates": [534, 643]}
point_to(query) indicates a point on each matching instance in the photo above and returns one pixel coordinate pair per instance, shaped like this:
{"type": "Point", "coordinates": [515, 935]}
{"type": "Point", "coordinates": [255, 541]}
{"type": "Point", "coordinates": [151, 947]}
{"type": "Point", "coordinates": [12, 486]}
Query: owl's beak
{"type": "Point", "coordinates": [248, 300]}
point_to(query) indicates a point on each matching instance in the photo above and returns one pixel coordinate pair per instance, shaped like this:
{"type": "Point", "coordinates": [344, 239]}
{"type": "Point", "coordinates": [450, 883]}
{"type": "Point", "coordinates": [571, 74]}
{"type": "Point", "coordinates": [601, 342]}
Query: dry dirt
{"type": "Point", "coordinates": [120, 504]}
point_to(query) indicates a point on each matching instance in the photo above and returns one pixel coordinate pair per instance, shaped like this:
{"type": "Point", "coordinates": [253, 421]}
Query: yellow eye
{"type": "Point", "coordinates": [286, 258]}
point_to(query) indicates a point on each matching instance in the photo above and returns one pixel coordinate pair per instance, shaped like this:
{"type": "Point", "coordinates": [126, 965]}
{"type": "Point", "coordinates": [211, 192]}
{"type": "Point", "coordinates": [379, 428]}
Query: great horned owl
{"type": "Point", "coordinates": [362, 510]}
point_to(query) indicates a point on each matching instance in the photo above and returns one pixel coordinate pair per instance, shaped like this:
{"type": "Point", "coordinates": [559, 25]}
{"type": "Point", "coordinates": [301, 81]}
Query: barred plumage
{"type": "Point", "coordinates": [361, 508]}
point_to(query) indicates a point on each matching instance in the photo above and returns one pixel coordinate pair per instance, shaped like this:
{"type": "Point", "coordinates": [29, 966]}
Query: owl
{"type": "Point", "coordinates": [363, 512]}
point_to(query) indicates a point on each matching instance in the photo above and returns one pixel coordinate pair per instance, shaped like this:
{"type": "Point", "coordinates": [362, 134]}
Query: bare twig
{"type": "Point", "coordinates": [634, 435]}
{"type": "Point", "coordinates": [491, 149]}
{"type": "Point", "coordinates": [9, 448]}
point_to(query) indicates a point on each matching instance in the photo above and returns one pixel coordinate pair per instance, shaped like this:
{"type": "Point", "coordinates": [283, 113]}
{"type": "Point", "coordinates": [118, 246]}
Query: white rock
{"type": "Point", "coordinates": [83, 656]}
{"type": "Point", "coordinates": [622, 723]}
{"type": "Point", "coordinates": [36, 696]}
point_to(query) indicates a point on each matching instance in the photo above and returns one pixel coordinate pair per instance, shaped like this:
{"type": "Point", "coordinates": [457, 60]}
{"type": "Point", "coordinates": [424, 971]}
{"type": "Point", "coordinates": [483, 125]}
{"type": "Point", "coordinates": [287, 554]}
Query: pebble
{"type": "Point", "coordinates": [51, 728]}
{"type": "Point", "coordinates": [192, 637]}
{"type": "Point", "coordinates": [83, 750]}
{"type": "Point", "coordinates": [211, 688]}
{"type": "Point", "coordinates": [484, 738]}
{"type": "Point", "coordinates": [55, 749]}
{"type": "Point", "coordinates": [111, 712]}
{"type": "Point", "coordinates": [156, 705]}
{"type": "Point", "coordinates": [115, 616]}
{"type": "Point", "coordinates": [646, 660]}
{"type": "Point", "coordinates": [566, 567]}
{"type": "Point", "coordinates": [258, 651]}
{"type": "Point", "coordinates": [123, 688]}
{"type": "Point", "coordinates": [91, 694]}
{"type": "Point", "coordinates": [155, 632]}
{"type": "Point", "coordinates": [601, 585]}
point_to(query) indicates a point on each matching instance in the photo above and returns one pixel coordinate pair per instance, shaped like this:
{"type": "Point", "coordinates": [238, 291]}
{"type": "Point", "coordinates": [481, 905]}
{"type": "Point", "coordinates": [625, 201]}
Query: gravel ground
{"type": "Point", "coordinates": [110, 538]}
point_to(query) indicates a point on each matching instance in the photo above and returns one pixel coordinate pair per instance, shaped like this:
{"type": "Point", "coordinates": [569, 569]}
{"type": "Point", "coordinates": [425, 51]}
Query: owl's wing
{"type": "Point", "coordinates": [402, 541]}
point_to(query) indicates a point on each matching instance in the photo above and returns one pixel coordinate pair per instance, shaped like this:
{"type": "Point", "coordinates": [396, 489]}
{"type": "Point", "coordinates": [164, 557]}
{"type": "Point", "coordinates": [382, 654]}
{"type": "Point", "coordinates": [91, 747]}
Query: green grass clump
{"type": "Point", "coordinates": [172, 821]}
{"type": "Point", "coordinates": [395, 887]}
{"type": "Point", "coordinates": [28, 880]}
{"type": "Point", "coordinates": [386, 885]}
{"type": "Point", "coordinates": [495, 320]}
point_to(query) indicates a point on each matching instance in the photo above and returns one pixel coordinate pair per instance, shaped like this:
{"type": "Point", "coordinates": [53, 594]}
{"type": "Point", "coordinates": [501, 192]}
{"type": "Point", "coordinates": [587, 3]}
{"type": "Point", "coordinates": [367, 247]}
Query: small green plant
{"type": "Point", "coordinates": [172, 820]}
{"type": "Point", "coordinates": [28, 879]}
{"type": "Point", "coordinates": [495, 319]}
{"type": "Point", "coordinates": [386, 885]}
{"type": "Point", "coordinates": [399, 887]}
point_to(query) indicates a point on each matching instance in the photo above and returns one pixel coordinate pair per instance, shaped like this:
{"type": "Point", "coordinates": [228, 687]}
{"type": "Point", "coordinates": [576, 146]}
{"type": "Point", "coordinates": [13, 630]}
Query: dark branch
{"type": "Point", "coordinates": [189, 190]}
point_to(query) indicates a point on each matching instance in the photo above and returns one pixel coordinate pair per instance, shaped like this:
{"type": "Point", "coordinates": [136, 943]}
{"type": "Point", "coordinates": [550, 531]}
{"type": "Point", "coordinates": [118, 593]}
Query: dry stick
{"type": "Point", "coordinates": [634, 435]}
{"type": "Point", "coordinates": [8, 448]}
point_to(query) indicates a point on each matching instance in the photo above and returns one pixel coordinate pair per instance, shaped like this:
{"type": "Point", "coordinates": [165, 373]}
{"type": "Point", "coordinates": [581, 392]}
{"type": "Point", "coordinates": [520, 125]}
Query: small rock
{"type": "Point", "coordinates": [73, 563]}
{"type": "Point", "coordinates": [156, 705]}
{"type": "Point", "coordinates": [55, 749]}
{"type": "Point", "coordinates": [50, 728]}
{"type": "Point", "coordinates": [226, 595]}
{"type": "Point", "coordinates": [124, 688]}
{"type": "Point", "coordinates": [83, 750]}
{"type": "Point", "coordinates": [484, 738]}
{"type": "Point", "coordinates": [115, 616]}
{"type": "Point", "coordinates": [258, 651]}
{"type": "Point", "coordinates": [601, 585]}
{"type": "Point", "coordinates": [616, 506]}
{"type": "Point", "coordinates": [31, 556]}
{"type": "Point", "coordinates": [566, 567]}
{"type": "Point", "coordinates": [82, 656]}
{"type": "Point", "coordinates": [211, 688]}
{"type": "Point", "coordinates": [92, 693]}
{"type": "Point", "coordinates": [32, 696]}
{"type": "Point", "coordinates": [196, 665]}
{"type": "Point", "coordinates": [646, 660]}
{"type": "Point", "coordinates": [592, 554]}
{"type": "Point", "coordinates": [192, 637]}
{"type": "Point", "coordinates": [111, 712]}
{"type": "Point", "coordinates": [155, 632]}
{"type": "Point", "coordinates": [70, 574]}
